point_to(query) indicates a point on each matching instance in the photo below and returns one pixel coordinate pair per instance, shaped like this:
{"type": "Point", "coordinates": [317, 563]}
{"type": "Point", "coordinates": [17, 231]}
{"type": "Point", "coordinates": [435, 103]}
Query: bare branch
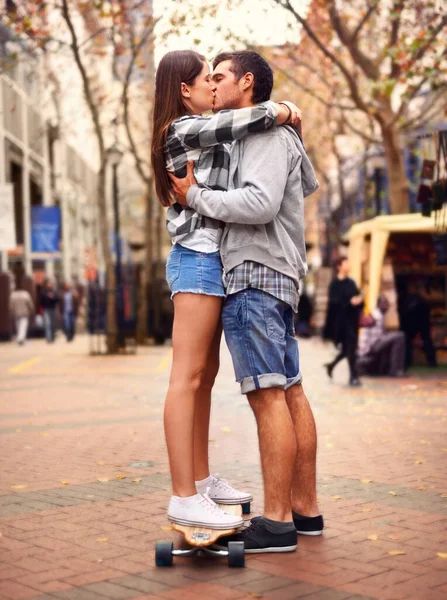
{"type": "Point", "coordinates": [394, 35]}
{"type": "Point", "coordinates": [355, 93]}
{"type": "Point", "coordinates": [364, 20]}
{"type": "Point", "coordinates": [349, 41]}
{"type": "Point", "coordinates": [141, 165]}
{"type": "Point", "coordinates": [360, 133]}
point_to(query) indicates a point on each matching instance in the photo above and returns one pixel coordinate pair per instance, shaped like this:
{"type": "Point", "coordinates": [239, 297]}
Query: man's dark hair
{"type": "Point", "coordinates": [248, 61]}
{"type": "Point", "coordinates": [339, 261]}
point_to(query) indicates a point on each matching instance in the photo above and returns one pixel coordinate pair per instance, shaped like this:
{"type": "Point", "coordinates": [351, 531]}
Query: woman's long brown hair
{"type": "Point", "coordinates": [175, 68]}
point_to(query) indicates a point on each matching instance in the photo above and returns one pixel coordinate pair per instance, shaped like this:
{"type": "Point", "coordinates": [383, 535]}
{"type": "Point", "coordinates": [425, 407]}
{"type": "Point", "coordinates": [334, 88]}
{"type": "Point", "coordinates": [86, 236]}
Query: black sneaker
{"type": "Point", "coordinates": [355, 382]}
{"type": "Point", "coordinates": [258, 539]}
{"type": "Point", "coordinates": [308, 525]}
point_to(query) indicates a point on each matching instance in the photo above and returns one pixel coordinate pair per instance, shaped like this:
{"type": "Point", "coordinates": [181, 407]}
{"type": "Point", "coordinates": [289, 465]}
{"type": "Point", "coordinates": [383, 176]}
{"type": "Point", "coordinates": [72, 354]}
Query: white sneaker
{"type": "Point", "coordinates": [221, 492]}
{"type": "Point", "coordinates": [201, 511]}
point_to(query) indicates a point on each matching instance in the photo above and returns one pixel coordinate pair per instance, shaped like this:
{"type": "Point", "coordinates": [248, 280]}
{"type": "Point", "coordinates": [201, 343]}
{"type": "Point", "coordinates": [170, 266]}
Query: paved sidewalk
{"type": "Point", "coordinates": [84, 482]}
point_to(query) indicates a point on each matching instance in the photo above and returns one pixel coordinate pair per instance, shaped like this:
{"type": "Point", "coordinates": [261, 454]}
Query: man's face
{"type": "Point", "coordinates": [228, 90]}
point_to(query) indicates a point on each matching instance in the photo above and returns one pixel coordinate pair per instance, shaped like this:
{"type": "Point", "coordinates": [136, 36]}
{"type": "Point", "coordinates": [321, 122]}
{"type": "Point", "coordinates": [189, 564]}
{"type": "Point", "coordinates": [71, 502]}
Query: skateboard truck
{"type": "Point", "coordinates": [165, 552]}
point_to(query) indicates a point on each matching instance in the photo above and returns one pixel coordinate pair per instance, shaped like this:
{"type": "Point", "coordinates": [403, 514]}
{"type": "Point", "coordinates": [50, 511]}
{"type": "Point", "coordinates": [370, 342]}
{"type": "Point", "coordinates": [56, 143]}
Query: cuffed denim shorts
{"type": "Point", "coordinates": [260, 334]}
{"type": "Point", "coordinates": [194, 272]}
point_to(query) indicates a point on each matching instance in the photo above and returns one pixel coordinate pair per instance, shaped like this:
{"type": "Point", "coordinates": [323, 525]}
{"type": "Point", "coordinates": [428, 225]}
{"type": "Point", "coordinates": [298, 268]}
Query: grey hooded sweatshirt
{"type": "Point", "coordinates": [270, 175]}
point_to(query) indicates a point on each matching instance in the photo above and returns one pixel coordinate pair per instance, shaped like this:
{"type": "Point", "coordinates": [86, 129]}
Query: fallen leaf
{"type": "Point", "coordinates": [18, 487]}
{"type": "Point", "coordinates": [103, 539]}
{"type": "Point", "coordinates": [423, 442]}
{"type": "Point", "coordinates": [137, 480]}
{"type": "Point", "coordinates": [44, 434]}
{"type": "Point", "coordinates": [396, 552]}
{"type": "Point", "coordinates": [366, 510]}
{"type": "Point", "coordinates": [329, 445]}
{"type": "Point", "coordinates": [1, 534]}
{"type": "Point", "coordinates": [366, 481]}
{"type": "Point", "coordinates": [440, 554]}
{"type": "Point", "coordinates": [120, 476]}
{"type": "Point", "coordinates": [117, 466]}
{"type": "Point", "coordinates": [373, 537]}
{"type": "Point", "coordinates": [422, 488]}
{"type": "Point", "coordinates": [253, 595]}
{"type": "Point", "coordinates": [443, 495]}
{"type": "Point", "coordinates": [211, 441]}
{"type": "Point", "coordinates": [18, 430]}
{"type": "Point", "coordinates": [165, 528]}
{"type": "Point", "coordinates": [65, 482]}
{"type": "Point", "coordinates": [35, 413]}
{"type": "Point", "coordinates": [419, 462]}
{"type": "Point", "coordinates": [102, 479]}
{"type": "Point", "coordinates": [393, 493]}
{"type": "Point", "coordinates": [444, 449]}
{"type": "Point", "coordinates": [337, 498]}
{"type": "Point", "coordinates": [100, 463]}
{"type": "Point", "coordinates": [226, 429]}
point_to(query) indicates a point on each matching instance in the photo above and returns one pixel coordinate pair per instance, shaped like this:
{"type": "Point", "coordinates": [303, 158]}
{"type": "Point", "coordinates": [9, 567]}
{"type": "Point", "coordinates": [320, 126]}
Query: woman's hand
{"type": "Point", "coordinates": [289, 114]}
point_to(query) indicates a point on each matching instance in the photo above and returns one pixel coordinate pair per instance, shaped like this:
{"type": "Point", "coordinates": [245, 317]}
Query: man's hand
{"type": "Point", "coordinates": [180, 187]}
{"type": "Point", "coordinates": [356, 300]}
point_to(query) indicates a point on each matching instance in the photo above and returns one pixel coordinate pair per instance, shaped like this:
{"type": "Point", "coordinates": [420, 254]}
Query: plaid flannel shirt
{"type": "Point", "coordinates": [253, 274]}
{"type": "Point", "coordinates": [206, 140]}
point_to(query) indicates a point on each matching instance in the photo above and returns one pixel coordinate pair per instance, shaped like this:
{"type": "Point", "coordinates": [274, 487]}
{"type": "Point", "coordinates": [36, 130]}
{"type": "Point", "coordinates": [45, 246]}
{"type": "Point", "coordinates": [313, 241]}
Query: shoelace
{"type": "Point", "coordinates": [222, 483]}
{"type": "Point", "coordinates": [251, 525]}
{"type": "Point", "coordinates": [209, 505]}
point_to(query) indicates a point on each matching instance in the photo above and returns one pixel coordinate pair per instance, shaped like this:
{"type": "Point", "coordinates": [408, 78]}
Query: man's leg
{"type": "Point", "coordinates": [277, 447]}
{"type": "Point", "coordinates": [304, 487]}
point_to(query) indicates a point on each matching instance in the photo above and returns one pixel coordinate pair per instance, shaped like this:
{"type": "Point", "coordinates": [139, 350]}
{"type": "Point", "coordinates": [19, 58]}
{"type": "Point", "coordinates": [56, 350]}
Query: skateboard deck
{"type": "Point", "coordinates": [204, 536]}
{"type": "Point", "coordinates": [200, 540]}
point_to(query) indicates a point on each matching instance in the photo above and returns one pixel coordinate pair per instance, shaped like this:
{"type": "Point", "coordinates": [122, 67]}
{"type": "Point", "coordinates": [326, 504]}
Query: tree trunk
{"type": "Point", "coordinates": [397, 181]}
{"type": "Point", "coordinates": [146, 274]}
{"type": "Point", "coordinates": [111, 325]}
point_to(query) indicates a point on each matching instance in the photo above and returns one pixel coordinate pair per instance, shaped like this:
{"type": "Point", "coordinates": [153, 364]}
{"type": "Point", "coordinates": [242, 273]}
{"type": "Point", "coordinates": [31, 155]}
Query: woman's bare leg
{"type": "Point", "coordinates": [203, 409]}
{"type": "Point", "coordinates": [196, 318]}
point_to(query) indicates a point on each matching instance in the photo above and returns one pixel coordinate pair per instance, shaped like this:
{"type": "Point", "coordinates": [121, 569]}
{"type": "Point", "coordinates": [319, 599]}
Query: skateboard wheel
{"type": "Point", "coordinates": [246, 508]}
{"type": "Point", "coordinates": [236, 554]}
{"type": "Point", "coordinates": [163, 554]}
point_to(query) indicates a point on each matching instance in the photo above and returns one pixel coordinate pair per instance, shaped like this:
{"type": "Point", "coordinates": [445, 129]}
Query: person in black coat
{"type": "Point", "coordinates": [49, 301]}
{"type": "Point", "coordinates": [342, 319]}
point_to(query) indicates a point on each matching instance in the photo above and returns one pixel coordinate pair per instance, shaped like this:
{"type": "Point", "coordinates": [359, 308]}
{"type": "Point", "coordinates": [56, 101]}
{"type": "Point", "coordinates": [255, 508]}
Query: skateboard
{"type": "Point", "coordinates": [200, 540]}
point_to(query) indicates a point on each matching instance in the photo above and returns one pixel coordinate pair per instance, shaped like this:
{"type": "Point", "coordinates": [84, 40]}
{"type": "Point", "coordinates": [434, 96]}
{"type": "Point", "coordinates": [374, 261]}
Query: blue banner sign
{"type": "Point", "coordinates": [45, 228]}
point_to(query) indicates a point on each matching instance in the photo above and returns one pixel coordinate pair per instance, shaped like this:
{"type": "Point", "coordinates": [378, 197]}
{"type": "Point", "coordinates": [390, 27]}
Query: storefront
{"type": "Point", "coordinates": [400, 255]}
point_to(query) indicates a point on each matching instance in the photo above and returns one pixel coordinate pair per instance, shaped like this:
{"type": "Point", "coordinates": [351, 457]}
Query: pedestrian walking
{"type": "Point", "coordinates": [184, 90]}
{"type": "Point", "coordinates": [264, 257]}
{"type": "Point", "coordinates": [70, 308]}
{"type": "Point", "coordinates": [49, 300]}
{"type": "Point", "coordinates": [22, 309]}
{"type": "Point", "coordinates": [381, 352]}
{"type": "Point", "coordinates": [342, 319]}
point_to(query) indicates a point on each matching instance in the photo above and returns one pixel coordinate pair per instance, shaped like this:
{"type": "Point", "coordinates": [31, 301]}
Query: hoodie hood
{"type": "Point", "coordinates": [308, 177]}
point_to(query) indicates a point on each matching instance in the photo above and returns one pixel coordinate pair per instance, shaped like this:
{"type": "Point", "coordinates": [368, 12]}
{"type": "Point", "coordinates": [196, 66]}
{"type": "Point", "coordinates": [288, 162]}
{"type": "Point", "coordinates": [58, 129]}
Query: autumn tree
{"type": "Point", "coordinates": [120, 34]}
{"type": "Point", "coordinates": [382, 54]}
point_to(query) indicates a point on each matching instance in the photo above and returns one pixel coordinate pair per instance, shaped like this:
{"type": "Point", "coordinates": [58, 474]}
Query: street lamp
{"type": "Point", "coordinates": [114, 157]}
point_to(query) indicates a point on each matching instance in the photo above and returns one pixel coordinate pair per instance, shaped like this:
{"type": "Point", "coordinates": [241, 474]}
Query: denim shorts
{"type": "Point", "coordinates": [194, 272]}
{"type": "Point", "coordinates": [259, 331]}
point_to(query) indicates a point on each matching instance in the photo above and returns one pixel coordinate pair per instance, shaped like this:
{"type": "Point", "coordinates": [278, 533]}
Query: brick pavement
{"type": "Point", "coordinates": [84, 483]}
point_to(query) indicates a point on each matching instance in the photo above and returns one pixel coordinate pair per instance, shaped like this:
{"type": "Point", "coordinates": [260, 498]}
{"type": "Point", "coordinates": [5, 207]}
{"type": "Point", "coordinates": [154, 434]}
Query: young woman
{"type": "Point", "coordinates": [184, 90]}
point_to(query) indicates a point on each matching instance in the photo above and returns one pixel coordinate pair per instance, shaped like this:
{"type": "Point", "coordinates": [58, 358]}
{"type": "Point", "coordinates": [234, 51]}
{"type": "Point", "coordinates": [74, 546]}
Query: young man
{"type": "Point", "coordinates": [342, 319]}
{"type": "Point", "coordinates": [263, 253]}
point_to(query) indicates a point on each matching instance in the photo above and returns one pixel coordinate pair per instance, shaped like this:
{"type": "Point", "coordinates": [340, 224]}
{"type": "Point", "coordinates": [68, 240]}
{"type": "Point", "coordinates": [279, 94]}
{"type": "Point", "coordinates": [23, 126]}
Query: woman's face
{"type": "Point", "coordinates": [199, 97]}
